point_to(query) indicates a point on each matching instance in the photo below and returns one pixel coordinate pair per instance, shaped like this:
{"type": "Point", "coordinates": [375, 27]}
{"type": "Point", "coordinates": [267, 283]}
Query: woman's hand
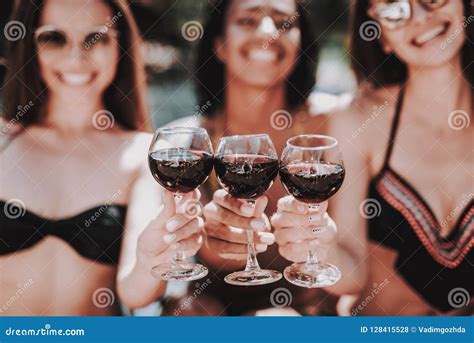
{"type": "Point", "coordinates": [227, 222]}
{"type": "Point", "coordinates": [299, 229]}
{"type": "Point", "coordinates": [178, 227]}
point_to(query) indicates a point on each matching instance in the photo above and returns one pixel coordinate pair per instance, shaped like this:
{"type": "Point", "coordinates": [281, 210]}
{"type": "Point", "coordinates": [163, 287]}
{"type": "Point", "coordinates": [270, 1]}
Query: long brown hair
{"type": "Point", "coordinates": [125, 99]}
{"type": "Point", "coordinates": [371, 64]}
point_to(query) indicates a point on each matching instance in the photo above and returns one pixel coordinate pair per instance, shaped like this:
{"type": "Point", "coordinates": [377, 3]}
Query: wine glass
{"type": "Point", "coordinates": [246, 167]}
{"type": "Point", "coordinates": [180, 160]}
{"type": "Point", "coordinates": [312, 170]}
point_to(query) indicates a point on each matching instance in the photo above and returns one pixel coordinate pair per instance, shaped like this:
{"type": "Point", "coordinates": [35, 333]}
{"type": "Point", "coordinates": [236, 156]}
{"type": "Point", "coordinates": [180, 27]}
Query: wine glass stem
{"type": "Point", "coordinates": [311, 259]}
{"type": "Point", "coordinates": [179, 255]}
{"type": "Point", "coordinates": [252, 263]}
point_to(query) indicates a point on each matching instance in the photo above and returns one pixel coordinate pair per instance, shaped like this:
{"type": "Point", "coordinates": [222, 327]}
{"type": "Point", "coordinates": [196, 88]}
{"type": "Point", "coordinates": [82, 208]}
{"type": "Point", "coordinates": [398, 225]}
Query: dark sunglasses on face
{"type": "Point", "coordinates": [396, 13]}
{"type": "Point", "coordinates": [51, 39]}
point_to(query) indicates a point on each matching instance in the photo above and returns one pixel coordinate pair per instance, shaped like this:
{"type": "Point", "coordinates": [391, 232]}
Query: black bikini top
{"type": "Point", "coordinates": [436, 267]}
{"type": "Point", "coordinates": [95, 234]}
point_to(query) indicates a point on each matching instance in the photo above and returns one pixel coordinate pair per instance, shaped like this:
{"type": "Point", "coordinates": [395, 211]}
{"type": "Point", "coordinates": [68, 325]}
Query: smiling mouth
{"type": "Point", "coordinates": [263, 55]}
{"type": "Point", "coordinates": [431, 35]}
{"type": "Point", "coordinates": [76, 79]}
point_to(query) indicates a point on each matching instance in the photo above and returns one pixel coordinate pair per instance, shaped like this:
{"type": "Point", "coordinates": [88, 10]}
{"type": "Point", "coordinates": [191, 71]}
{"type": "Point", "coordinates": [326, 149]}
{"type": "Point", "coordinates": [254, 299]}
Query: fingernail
{"type": "Point", "coordinates": [267, 238]}
{"type": "Point", "coordinates": [257, 224]}
{"type": "Point", "coordinates": [246, 209]}
{"type": "Point", "coordinates": [314, 219]}
{"type": "Point", "coordinates": [314, 242]}
{"type": "Point", "coordinates": [176, 246]}
{"type": "Point", "coordinates": [301, 208]}
{"type": "Point", "coordinates": [172, 225]}
{"type": "Point", "coordinates": [169, 238]}
{"type": "Point", "coordinates": [261, 247]}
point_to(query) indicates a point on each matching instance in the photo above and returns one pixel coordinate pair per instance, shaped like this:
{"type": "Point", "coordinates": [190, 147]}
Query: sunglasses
{"type": "Point", "coordinates": [396, 13]}
{"type": "Point", "coordinates": [53, 41]}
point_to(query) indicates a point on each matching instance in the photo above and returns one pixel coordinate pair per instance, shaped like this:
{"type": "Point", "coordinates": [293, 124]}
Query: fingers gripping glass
{"type": "Point", "coordinates": [180, 160]}
{"type": "Point", "coordinates": [246, 167]}
{"type": "Point", "coordinates": [312, 171]}
{"type": "Point", "coordinates": [396, 13]}
{"type": "Point", "coordinates": [53, 42]}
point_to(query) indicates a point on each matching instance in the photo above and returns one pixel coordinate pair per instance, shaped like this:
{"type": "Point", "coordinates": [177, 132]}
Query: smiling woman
{"type": "Point", "coordinates": [108, 70]}
{"type": "Point", "coordinates": [76, 191]}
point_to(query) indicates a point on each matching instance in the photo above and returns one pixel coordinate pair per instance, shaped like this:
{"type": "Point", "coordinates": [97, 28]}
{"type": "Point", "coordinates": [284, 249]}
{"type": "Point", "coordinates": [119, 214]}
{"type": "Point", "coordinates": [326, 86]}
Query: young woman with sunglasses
{"type": "Point", "coordinates": [406, 142]}
{"type": "Point", "coordinates": [76, 190]}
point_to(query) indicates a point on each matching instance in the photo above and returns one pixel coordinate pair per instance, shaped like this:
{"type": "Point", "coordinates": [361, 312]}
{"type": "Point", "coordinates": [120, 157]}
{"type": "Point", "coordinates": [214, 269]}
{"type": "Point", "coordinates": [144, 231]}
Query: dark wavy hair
{"type": "Point", "coordinates": [125, 99]}
{"type": "Point", "coordinates": [371, 64]}
{"type": "Point", "coordinates": [210, 71]}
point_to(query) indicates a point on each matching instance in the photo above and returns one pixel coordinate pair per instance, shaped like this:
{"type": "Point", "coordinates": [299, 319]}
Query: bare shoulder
{"type": "Point", "coordinates": [368, 115]}
{"type": "Point", "coordinates": [365, 122]}
{"type": "Point", "coordinates": [134, 150]}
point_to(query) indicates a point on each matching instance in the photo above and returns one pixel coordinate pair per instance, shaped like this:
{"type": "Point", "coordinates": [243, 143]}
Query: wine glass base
{"type": "Point", "coordinates": [253, 277]}
{"type": "Point", "coordinates": [317, 276]}
{"type": "Point", "coordinates": [181, 271]}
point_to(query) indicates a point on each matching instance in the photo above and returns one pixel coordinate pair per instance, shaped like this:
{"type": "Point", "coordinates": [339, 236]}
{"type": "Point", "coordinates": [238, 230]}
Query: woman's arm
{"type": "Point", "coordinates": [344, 242]}
{"type": "Point", "coordinates": [351, 249]}
{"type": "Point", "coordinates": [135, 284]}
{"type": "Point", "coordinates": [150, 212]}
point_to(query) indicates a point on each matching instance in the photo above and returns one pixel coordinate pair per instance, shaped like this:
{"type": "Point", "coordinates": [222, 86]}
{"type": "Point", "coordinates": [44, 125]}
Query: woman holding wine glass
{"type": "Point", "coordinates": [256, 68]}
{"type": "Point", "coordinates": [405, 211]}
{"type": "Point", "coordinates": [78, 199]}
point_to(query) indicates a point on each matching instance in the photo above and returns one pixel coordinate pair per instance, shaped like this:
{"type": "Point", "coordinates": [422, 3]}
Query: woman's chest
{"type": "Point", "coordinates": [57, 185]}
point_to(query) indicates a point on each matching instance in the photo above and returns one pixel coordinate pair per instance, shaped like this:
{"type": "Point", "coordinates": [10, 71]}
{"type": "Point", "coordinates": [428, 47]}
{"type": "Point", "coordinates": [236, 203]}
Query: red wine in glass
{"type": "Point", "coordinates": [312, 170]}
{"type": "Point", "coordinates": [312, 182]}
{"type": "Point", "coordinates": [180, 160]}
{"type": "Point", "coordinates": [246, 176]}
{"type": "Point", "coordinates": [180, 170]}
{"type": "Point", "coordinates": [246, 167]}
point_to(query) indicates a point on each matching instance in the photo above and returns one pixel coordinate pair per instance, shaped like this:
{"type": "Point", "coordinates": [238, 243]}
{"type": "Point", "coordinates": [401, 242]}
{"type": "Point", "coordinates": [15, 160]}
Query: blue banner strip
{"type": "Point", "coordinates": [237, 329]}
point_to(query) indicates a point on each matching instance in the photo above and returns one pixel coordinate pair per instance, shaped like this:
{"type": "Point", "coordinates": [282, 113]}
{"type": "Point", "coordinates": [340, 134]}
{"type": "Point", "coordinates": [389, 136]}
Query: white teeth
{"type": "Point", "coordinates": [76, 79]}
{"type": "Point", "coordinates": [427, 36]}
{"type": "Point", "coordinates": [262, 55]}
